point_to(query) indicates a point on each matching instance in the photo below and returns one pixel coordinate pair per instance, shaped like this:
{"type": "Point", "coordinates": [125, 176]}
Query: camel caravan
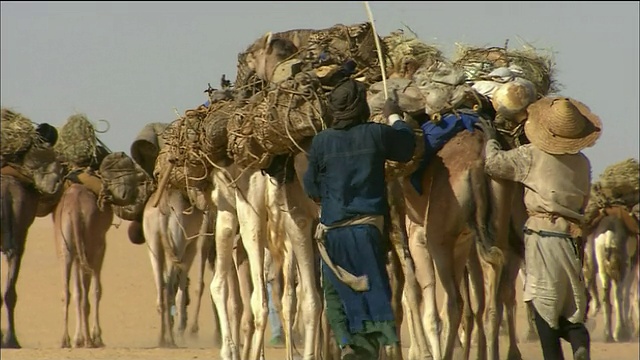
{"type": "Point", "coordinates": [223, 184]}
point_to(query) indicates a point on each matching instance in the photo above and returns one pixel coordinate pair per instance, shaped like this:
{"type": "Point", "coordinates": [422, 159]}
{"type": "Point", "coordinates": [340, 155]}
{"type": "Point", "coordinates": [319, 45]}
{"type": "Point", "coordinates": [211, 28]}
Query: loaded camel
{"type": "Point", "coordinates": [239, 288]}
{"type": "Point", "coordinates": [170, 233]}
{"type": "Point", "coordinates": [611, 252]}
{"type": "Point", "coordinates": [81, 219]}
{"type": "Point", "coordinates": [287, 207]}
{"type": "Point", "coordinates": [466, 205]}
{"type": "Point", "coordinates": [248, 206]}
{"type": "Point", "coordinates": [20, 197]}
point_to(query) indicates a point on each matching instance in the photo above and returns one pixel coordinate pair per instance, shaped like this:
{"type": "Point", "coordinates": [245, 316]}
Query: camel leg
{"type": "Point", "coordinates": [635, 301]}
{"type": "Point", "coordinates": [211, 259]}
{"type": "Point", "coordinates": [96, 333]}
{"type": "Point", "coordinates": [396, 279]}
{"type": "Point", "coordinates": [66, 295]}
{"type": "Point", "coordinates": [235, 301]}
{"type": "Point", "coordinates": [181, 296]}
{"type": "Point", "coordinates": [242, 320]}
{"type": "Point", "coordinates": [430, 318]}
{"type": "Point", "coordinates": [11, 297]}
{"type": "Point", "coordinates": [85, 286]}
{"type": "Point", "coordinates": [288, 292]}
{"type": "Point", "coordinates": [157, 258]}
{"type": "Point", "coordinates": [508, 296]}
{"type": "Point", "coordinates": [590, 271]}
{"type": "Point", "coordinates": [477, 298]}
{"type": "Point", "coordinates": [78, 338]}
{"type": "Point", "coordinates": [606, 290]}
{"type": "Point", "coordinates": [417, 266]}
{"type": "Point", "coordinates": [413, 353]}
{"type": "Point", "coordinates": [449, 261]}
{"type": "Point", "coordinates": [226, 227]}
{"type": "Point", "coordinates": [620, 332]}
{"type": "Point", "coordinates": [297, 224]}
{"type": "Point", "coordinates": [251, 207]}
{"type": "Point", "coordinates": [494, 309]}
{"type": "Point", "coordinates": [1, 334]}
{"type": "Point", "coordinates": [205, 242]}
{"type": "Point", "coordinates": [452, 301]}
{"type": "Point", "coordinates": [466, 327]}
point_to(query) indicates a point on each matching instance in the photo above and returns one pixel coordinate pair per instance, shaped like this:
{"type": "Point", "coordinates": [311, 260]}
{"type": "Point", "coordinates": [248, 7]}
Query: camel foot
{"type": "Point", "coordinates": [514, 354]}
{"type": "Point", "coordinates": [217, 341]}
{"type": "Point", "coordinates": [622, 335]}
{"type": "Point", "coordinates": [608, 338]}
{"type": "Point", "coordinates": [66, 342]}
{"type": "Point", "coordinates": [532, 336]}
{"type": "Point", "coordinates": [167, 344]}
{"type": "Point", "coordinates": [194, 330]}
{"type": "Point", "coordinates": [97, 341]}
{"type": "Point", "coordinates": [11, 343]}
{"type": "Point", "coordinates": [79, 342]}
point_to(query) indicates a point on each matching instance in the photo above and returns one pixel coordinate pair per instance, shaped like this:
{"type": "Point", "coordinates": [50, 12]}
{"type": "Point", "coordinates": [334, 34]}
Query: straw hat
{"type": "Point", "coordinates": [511, 99]}
{"type": "Point", "coordinates": [559, 125]}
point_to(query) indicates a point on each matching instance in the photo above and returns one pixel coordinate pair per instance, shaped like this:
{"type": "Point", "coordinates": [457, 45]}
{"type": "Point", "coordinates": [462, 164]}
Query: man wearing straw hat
{"type": "Point", "coordinates": [557, 180]}
{"type": "Point", "coordinates": [346, 175]}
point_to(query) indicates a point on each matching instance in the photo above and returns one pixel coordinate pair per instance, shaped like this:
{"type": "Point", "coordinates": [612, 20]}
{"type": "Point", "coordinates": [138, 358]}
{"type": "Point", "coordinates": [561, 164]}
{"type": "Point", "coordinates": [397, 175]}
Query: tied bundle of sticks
{"type": "Point", "coordinates": [407, 54]}
{"type": "Point", "coordinates": [180, 162]}
{"type": "Point", "coordinates": [618, 185]}
{"type": "Point", "coordinates": [325, 49]}
{"type": "Point", "coordinates": [535, 65]}
{"type": "Point", "coordinates": [277, 121]}
{"type": "Point", "coordinates": [18, 134]}
{"type": "Point", "coordinates": [78, 146]}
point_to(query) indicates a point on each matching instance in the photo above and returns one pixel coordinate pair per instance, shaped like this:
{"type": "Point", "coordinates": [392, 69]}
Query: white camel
{"type": "Point", "coordinates": [246, 205]}
{"type": "Point", "coordinates": [171, 239]}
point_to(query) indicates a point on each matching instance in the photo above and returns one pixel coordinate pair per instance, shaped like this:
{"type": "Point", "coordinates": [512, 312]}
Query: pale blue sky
{"type": "Point", "coordinates": [132, 63]}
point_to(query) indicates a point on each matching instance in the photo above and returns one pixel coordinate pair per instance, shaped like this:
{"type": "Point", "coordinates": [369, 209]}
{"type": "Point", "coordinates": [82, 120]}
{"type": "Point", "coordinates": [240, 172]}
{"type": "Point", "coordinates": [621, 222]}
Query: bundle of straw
{"type": "Point", "coordinates": [537, 66]}
{"type": "Point", "coordinates": [18, 133]}
{"type": "Point", "coordinates": [408, 53]}
{"type": "Point", "coordinates": [77, 141]}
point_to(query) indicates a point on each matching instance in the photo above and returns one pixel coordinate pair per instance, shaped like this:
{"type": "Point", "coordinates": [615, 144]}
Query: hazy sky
{"type": "Point", "coordinates": [132, 63]}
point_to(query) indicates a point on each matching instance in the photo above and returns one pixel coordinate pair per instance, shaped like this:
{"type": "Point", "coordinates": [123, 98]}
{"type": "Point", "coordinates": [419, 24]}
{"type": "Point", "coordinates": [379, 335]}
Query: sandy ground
{"type": "Point", "coordinates": [130, 323]}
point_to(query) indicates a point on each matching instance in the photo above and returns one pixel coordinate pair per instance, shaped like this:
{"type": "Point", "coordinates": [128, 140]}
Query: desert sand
{"type": "Point", "coordinates": [130, 323]}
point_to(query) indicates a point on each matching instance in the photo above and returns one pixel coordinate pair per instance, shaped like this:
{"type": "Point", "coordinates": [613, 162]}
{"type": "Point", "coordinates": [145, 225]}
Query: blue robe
{"type": "Point", "coordinates": [436, 135]}
{"type": "Point", "coordinates": [346, 172]}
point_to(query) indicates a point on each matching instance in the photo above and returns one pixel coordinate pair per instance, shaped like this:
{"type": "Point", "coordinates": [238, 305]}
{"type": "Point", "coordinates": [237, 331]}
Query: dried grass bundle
{"type": "Point", "coordinates": [18, 132]}
{"type": "Point", "coordinates": [77, 142]}
{"type": "Point", "coordinates": [538, 67]}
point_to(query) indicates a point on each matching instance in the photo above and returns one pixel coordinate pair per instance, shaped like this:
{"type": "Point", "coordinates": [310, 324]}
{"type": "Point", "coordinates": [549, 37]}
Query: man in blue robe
{"type": "Point", "coordinates": [346, 175]}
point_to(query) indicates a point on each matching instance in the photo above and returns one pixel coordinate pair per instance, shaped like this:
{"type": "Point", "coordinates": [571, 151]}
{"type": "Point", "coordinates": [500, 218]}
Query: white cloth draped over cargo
{"type": "Point", "coordinates": [556, 192]}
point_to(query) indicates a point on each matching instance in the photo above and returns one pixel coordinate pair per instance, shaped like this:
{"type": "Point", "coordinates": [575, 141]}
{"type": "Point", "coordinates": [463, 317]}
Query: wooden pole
{"type": "Point", "coordinates": [379, 49]}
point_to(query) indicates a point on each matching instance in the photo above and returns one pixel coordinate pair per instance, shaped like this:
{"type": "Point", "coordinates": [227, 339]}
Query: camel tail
{"type": "Point", "coordinates": [81, 250]}
{"type": "Point", "coordinates": [482, 220]}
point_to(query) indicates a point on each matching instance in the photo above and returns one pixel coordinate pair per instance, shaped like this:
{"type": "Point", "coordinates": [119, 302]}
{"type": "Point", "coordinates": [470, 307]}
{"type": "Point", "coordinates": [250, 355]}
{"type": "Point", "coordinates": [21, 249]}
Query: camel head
{"type": "Point", "coordinates": [45, 169]}
{"type": "Point", "coordinates": [263, 56]}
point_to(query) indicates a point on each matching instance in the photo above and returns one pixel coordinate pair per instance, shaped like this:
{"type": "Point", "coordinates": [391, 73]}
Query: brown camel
{"type": "Point", "coordinates": [20, 195]}
{"type": "Point", "coordinates": [80, 229]}
{"type": "Point", "coordinates": [459, 201]}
